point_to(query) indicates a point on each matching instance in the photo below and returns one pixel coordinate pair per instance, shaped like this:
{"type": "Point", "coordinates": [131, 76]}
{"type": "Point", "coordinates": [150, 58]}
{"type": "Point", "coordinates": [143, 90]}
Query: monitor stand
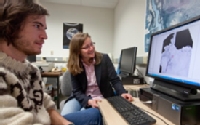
{"type": "Point", "coordinates": [178, 92]}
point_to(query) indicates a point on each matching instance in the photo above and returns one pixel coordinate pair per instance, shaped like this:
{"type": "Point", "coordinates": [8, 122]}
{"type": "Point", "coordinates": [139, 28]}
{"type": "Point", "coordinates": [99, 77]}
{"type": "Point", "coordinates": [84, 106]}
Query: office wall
{"type": "Point", "coordinates": [129, 26]}
{"type": "Point", "coordinates": [129, 30]}
{"type": "Point", "coordinates": [97, 21]}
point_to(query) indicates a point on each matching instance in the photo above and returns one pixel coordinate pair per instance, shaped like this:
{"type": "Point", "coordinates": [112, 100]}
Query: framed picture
{"type": "Point", "coordinates": [69, 29]}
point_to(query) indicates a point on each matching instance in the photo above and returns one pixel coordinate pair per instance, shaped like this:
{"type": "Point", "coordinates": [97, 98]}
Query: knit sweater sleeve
{"type": "Point", "coordinates": [48, 102]}
{"type": "Point", "coordinates": [10, 114]}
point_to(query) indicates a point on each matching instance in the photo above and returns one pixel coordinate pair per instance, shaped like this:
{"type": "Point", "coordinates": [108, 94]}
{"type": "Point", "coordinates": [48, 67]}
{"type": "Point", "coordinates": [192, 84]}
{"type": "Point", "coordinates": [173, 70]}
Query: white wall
{"type": "Point", "coordinates": [129, 26]}
{"type": "Point", "coordinates": [98, 22]}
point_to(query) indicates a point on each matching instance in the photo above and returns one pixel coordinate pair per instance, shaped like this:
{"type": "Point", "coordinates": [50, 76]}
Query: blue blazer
{"type": "Point", "coordinates": [106, 77]}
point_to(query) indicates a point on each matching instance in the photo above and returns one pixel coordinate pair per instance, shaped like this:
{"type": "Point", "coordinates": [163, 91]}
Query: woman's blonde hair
{"type": "Point", "coordinates": [74, 62]}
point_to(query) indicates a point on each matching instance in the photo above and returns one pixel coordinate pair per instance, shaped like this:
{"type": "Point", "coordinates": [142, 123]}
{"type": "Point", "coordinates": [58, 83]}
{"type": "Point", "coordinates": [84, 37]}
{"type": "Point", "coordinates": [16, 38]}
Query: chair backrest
{"type": "Point", "coordinates": [66, 86]}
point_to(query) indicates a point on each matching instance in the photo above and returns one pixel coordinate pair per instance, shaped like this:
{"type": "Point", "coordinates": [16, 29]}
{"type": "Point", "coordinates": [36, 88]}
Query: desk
{"type": "Point", "coordinates": [111, 117]}
{"type": "Point", "coordinates": [57, 76]}
{"type": "Point", "coordinates": [134, 89]}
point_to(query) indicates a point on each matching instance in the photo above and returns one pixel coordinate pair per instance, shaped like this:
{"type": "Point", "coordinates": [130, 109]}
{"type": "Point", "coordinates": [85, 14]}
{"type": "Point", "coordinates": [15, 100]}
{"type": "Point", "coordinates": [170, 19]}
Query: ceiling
{"type": "Point", "coordinates": [92, 3]}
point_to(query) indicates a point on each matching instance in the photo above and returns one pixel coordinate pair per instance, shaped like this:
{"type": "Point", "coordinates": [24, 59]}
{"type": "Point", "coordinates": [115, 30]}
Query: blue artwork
{"type": "Point", "coordinates": [161, 14]}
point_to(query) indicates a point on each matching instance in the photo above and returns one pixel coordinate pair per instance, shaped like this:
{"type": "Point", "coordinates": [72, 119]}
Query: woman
{"type": "Point", "coordinates": [93, 76]}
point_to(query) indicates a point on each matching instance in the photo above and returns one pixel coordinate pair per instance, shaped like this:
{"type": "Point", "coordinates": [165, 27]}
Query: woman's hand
{"type": "Point", "coordinates": [93, 103]}
{"type": "Point", "coordinates": [127, 97]}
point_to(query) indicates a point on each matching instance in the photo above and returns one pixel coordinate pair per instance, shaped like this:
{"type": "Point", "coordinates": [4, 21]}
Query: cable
{"type": "Point", "coordinates": [149, 102]}
{"type": "Point", "coordinates": [139, 73]}
{"type": "Point", "coordinates": [155, 116]}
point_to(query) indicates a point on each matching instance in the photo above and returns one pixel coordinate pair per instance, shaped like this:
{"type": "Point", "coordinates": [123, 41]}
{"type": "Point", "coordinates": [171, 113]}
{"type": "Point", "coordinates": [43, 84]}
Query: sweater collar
{"type": "Point", "coordinates": [12, 64]}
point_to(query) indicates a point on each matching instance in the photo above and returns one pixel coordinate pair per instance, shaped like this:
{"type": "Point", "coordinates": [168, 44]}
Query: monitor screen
{"type": "Point", "coordinates": [174, 54]}
{"type": "Point", "coordinates": [128, 59]}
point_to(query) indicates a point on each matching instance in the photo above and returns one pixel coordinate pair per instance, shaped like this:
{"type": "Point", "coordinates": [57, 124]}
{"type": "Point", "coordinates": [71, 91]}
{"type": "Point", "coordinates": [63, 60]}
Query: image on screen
{"type": "Point", "coordinates": [174, 54]}
{"type": "Point", "coordinates": [176, 47]}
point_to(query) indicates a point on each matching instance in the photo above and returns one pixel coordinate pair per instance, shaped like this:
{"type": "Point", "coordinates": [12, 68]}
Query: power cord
{"type": "Point", "coordinates": [154, 115]}
{"type": "Point", "coordinates": [139, 73]}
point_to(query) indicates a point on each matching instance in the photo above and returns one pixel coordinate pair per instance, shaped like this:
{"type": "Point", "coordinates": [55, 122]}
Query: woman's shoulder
{"type": "Point", "coordinates": [104, 55]}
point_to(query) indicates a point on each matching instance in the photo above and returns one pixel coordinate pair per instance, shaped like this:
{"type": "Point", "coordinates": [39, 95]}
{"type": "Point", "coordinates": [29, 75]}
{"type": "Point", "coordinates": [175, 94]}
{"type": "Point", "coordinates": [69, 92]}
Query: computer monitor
{"type": "Point", "coordinates": [128, 60]}
{"type": "Point", "coordinates": [174, 55]}
{"type": "Point", "coordinates": [31, 58]}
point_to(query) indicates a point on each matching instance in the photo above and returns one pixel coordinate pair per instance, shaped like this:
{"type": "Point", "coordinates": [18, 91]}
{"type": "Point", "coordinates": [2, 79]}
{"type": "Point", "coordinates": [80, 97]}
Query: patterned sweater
{"type": "Point", "coordinates": [22, 100]}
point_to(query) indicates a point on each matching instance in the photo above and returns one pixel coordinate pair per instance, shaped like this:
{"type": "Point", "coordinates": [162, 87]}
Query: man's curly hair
{"type": "Point", "coordinates": [12, 16]}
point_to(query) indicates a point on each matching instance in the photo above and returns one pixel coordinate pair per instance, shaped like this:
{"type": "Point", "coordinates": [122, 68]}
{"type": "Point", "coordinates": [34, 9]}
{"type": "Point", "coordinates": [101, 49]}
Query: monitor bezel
{"type": "Point", "coordinates": [133, 67]}
{"type": "Point", "coordinates": [182, 84]}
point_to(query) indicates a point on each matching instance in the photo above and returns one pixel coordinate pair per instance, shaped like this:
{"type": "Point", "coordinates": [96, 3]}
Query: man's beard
{"type": "Point", "coordinates": [25, 47]}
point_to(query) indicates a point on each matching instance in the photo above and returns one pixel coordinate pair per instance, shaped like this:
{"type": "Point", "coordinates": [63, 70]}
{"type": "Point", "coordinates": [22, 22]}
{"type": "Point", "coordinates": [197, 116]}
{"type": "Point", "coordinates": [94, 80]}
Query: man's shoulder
{"type": "Point", "coordinates": [2, 68]}
{"type": "Point", "coordinates": [3, 71]}
{"type": "Point", "coordinates": [7, 77]}
{"type": "Point", "coordinates": [34, 66]}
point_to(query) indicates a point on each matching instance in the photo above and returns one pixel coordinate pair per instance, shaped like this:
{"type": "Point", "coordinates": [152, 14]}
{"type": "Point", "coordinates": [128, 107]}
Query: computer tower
{"type": "Point", "coordinates": [176, 111]}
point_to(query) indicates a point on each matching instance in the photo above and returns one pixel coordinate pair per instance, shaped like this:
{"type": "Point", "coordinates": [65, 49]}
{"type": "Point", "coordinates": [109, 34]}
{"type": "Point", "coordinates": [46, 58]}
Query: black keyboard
{"type": "Point", "coordinates": [131, 113]}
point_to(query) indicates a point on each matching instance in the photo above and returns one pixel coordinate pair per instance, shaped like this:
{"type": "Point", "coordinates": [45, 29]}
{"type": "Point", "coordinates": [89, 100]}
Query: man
{"type": "Point", "coordinates": [22, 100]}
